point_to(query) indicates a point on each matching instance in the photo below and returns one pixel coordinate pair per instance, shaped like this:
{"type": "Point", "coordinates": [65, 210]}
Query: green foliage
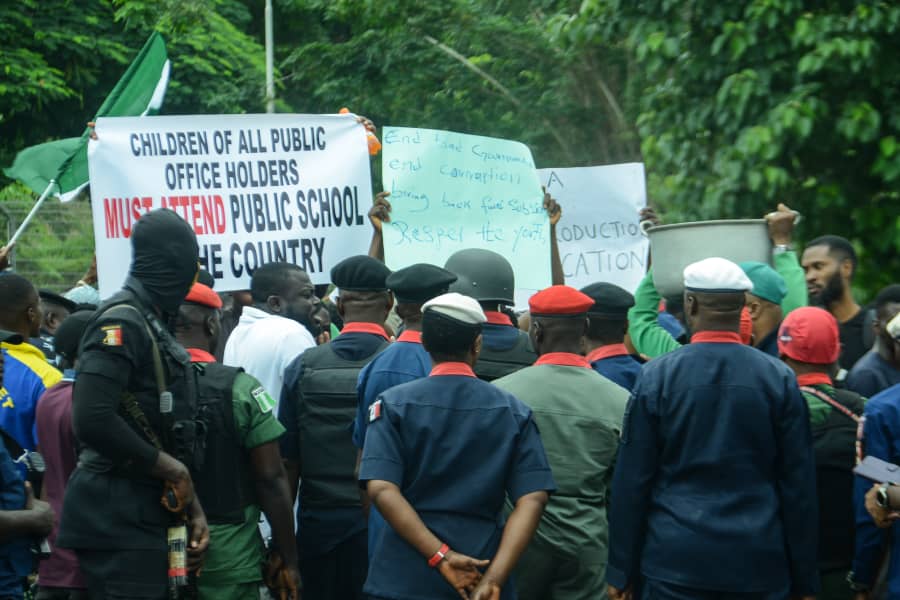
{"type": "Point", "coordinates": [745, 104]}
{"type": "Point", "coordinates": [505, 69]}
{"type": "Point", "coordinates": [733, 106]}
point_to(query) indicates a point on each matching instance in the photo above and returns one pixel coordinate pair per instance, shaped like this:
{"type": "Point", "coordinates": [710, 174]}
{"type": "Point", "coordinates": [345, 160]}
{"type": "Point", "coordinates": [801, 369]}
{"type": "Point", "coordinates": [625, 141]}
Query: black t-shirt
{"type": "Point", "coordinates": [853, 346]}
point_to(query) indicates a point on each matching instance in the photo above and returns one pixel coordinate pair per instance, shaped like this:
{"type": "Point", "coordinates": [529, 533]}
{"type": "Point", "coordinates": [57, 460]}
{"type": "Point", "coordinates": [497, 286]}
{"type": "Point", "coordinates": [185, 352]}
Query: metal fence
{"type": "Point", "coordinates": [57, 248]}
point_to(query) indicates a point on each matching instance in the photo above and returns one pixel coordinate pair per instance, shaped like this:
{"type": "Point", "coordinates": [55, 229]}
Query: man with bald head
{"type": "Point", "coordinates": [714, 492]}
{"type": "Point", "coordinates": [579, 414]}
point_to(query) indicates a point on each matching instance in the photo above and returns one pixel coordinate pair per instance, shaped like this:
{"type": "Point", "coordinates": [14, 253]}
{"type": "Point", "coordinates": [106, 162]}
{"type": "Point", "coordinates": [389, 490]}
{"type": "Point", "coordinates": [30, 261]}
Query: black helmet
{"type": "Point", "coordinates": [483, 275]}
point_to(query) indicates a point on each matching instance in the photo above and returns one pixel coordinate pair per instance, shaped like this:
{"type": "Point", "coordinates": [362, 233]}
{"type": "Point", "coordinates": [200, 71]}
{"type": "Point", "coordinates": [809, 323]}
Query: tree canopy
{"type": "Point", "coordinates": [732, 106]}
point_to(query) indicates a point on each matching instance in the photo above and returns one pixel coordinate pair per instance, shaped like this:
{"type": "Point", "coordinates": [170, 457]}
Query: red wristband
{"type": "Point", "coordinates": [438, 556]}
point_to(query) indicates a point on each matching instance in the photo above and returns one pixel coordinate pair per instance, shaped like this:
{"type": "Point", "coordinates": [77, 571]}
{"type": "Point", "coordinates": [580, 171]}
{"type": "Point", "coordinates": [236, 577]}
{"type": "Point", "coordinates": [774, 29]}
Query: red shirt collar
{"type": "Point", "coordinates": [814, 379]}
{"type": "Point", "coordinates": [716, 337]}
{"type": "Point", "coordinates": [452, 368]}
{"type": "Point", "coordinates": [361, 327]}
{"type": "Point", "coordinates": [198, 355]}
{"type": "Point", "coordinates": [495, 317]}
{"type": "Point", "coordinates": [563, 359]}
{"type": "Point", "coordinates": [413, 337]}
{"type": "Point", "coordinates": [607, 351]}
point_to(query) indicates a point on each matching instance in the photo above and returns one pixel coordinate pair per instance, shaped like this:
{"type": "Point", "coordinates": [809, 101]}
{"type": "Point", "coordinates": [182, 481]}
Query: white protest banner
{"type": "Point", "coordinates": [451, 191]}
{"type": "Point", "coordinates": [599, 234]}
{"type": "Point", "coordinates": [255, 188]}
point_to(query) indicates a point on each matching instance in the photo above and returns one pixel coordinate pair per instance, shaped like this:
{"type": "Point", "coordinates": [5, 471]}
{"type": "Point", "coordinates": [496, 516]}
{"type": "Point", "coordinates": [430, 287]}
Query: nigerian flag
{"type": "Point", "coordinates": [139, 92]}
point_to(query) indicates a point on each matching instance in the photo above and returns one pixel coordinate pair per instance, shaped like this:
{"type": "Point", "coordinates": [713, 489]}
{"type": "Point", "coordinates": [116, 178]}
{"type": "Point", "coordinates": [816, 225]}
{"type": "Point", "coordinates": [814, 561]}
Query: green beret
{"type": "Point", "coordinates": [767, 283]}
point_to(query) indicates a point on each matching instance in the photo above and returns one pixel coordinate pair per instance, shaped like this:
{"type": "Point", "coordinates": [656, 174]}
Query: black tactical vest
{"type": "Point", "coordinates": [834, 444]}
{"type": "Point", "coordinates": [225, 485]}
{"type": "Point", "coordinates": [180, 432]}
{"type": "Point", "coordinates": [329, 401]}
{"type": "Point", "coordinates": [494, 364]}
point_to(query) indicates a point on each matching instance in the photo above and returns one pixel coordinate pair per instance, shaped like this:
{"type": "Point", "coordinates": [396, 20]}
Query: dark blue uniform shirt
{"type": "Point", "coordinates": [881, 439]}
{"type": "Point", "coordinates": [714, 486]}
{"type": "Point", "coordinates": [405, 360]}
{"type": "Point", "coordinates": [615, 363]}
{"type": "Point", "coordinates": [322, 530]}
{"type": "Point", "coordinates": [15, 556]}
{"type": "Point", "coordinates": [769, 345]}
{"type": "Point", "coordinates": [872, 374]}
{"type": "Point", "coordinates": [456, 446]}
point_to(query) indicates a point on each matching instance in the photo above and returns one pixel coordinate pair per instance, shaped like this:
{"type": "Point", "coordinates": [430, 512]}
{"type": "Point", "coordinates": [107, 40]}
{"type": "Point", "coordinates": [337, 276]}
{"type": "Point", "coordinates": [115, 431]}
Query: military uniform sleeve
{"type": "Point", "coordinates": [633, 478]}
{"type": "Point", "coordinates": [254, 419]}
{"type": "Point", "coordinates": [870, 540]}
{"type": "Point", "coordinates": [383, 452]}
{"type": "Point", "coordinates": [787, 265]}
{"type": "Point", "coordinates": [796, 485]}
{"type": "Point", "coordinates": [531, 469]}
{"type": "Point", "coordinates": [112, 350]}
{"type": "Point", "coordinates": [647, 335]}
{"type": "Point", "coordinates": [287, 410]}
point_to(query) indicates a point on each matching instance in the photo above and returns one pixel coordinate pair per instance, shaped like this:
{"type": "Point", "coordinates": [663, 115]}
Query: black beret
{"type": "Point", "coordinates": [419, 283]}
{"type": "Point", "coordinates": [54, 298]}
{"type": "Point", "coordinates": [609, 300]}
{"type": "Point", "coordinates": [360, 274]}
{"type": "Point", "coordinates": [69, 333]}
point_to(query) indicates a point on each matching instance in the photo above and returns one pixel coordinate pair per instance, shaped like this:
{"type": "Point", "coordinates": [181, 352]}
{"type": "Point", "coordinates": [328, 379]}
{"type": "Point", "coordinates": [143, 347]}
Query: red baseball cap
{"type": "Point", "coordinates": [810, 335]}
{"type": "Point", "coordinates": [204, 296]}
{"type": "Point", "coordinates": [559, 301]}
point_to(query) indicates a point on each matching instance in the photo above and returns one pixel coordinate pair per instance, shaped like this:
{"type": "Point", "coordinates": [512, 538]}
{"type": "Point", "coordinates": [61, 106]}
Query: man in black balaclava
{"type": "Point", "coordinates": [134, 390]}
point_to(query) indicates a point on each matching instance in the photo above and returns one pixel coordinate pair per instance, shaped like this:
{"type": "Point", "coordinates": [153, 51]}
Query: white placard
{"type": "Point", "coordinates": [255, 188]}
{"type": "Point", "coordinates": [599, 234]}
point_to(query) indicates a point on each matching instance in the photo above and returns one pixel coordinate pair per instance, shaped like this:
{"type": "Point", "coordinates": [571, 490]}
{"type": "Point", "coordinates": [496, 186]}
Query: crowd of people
{"type": "Point", "coordinates": [408, 435]}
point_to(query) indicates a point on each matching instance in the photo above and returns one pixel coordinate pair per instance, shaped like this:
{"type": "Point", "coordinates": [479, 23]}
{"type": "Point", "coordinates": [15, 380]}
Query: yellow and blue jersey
{"type": "Point", "coordinates": [26, 376]}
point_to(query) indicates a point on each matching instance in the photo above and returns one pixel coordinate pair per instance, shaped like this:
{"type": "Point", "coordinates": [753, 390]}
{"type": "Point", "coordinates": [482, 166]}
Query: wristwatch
{"type": "Point", "coordinates": [782, 248]}
{"type": "Point", "coordinates": [881, 496]}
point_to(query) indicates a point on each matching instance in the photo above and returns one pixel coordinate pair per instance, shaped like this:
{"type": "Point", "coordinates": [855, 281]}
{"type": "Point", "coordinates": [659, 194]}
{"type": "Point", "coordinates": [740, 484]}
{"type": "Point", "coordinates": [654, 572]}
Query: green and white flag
{"type": "Point", "coordinates": [139, 92]}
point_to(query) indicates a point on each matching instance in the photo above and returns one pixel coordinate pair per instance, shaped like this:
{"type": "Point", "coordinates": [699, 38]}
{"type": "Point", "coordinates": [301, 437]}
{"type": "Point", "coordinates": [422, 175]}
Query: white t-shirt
{"type": "Point", "coordinates": [264, 345]}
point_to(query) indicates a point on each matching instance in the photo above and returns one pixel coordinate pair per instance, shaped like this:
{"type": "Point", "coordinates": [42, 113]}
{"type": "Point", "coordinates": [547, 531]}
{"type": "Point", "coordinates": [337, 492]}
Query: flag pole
{"type": "Point", "coordinates": [34, 209]}
{"type": "Point", "coordinates": [270, 60]}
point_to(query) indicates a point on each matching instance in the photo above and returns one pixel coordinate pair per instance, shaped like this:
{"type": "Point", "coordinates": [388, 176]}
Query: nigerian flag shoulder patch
{"type": "Point", "coordinates": [265, 402]}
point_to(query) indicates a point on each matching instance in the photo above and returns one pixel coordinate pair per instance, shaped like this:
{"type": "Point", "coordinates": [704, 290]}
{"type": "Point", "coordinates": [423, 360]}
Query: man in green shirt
{"type": "Point", "coordinates": [651, 340]}
{"type": "Point", "coordinates": [243, 474]}
{"type": "Point", "coordinates": [579, 413]}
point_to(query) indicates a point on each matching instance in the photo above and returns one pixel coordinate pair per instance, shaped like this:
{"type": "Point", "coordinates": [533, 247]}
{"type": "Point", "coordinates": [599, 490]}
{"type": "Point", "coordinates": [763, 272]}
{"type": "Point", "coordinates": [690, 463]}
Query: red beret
{"type": "Point", "coordinates": [203, 295]}
{"type": "Point", "coordinates": [810, 335]}
{"type": "Point", "coordinates": [559, 301]}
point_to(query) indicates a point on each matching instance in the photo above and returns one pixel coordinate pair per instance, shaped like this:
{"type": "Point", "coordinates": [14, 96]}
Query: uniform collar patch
{"type": "Point", "coordinates": [716, 337]}
{"type": "Point", "coordinates": [360, 327]}
{"type": "Point", "coordinates": [563, 359]}
{"type": "Point", "coordinates": [607, 351]}
{"type": "Point", "coordinates": [452, 368]}
{"type": "Point", "coordinates": [200, 355]}
{"type": "Point", "coordinates": [495, 317]}
{"type": "Point", "coordinates": [413, 337]}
